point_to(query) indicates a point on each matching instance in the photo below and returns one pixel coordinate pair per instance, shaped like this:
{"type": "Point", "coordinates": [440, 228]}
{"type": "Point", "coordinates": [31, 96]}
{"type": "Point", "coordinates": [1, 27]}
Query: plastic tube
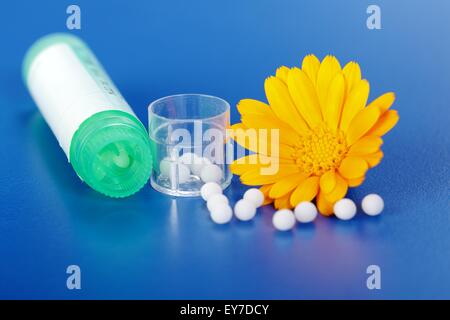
{"type": "Point", "coordinates": [102, 138]}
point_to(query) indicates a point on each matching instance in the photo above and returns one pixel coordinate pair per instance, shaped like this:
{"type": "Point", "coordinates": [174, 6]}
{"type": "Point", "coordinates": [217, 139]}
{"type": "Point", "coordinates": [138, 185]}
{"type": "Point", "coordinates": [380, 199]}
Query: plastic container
{"type": "Point", "coordinates": [102, 138]}
{"type": "Point", "coordinates": [183, 125]}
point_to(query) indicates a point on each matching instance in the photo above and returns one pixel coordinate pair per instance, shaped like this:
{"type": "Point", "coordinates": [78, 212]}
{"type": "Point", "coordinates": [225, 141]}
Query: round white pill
{"type": "Point", "coordinates": [164, 167]}
{"type": "Point", "coordinates": [344, 209]}
{"type": "Point", "coordinates": [244, 210]}
{"type": "Point", "coordinates": [211, 173]}
{"type": "Point", "coordinates": [283, 220]}
{"type": "Point", "coordinates": [208, 189]}
{"type": "Point", "coordinates": [221, 214]}
{"type": "Point", "coordinates": [183, 173]}
{"type": "Point", "coordinates": [372, 204]}
{"type": "Point", "coordinates": [305, 212]}
{"type": "Point", "coordinates": [254, 195]}
{"type": "Point", "coordinates": [198, 164]}
{"type": "Point", "coordinates": [188, 158]}
{"type": "Point", "coordinates": [216, 199]}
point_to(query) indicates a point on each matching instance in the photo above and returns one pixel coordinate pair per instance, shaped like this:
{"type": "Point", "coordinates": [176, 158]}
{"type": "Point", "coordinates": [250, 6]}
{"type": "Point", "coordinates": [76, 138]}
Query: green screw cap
{"type": "Point", "coordinates": [110, 151]}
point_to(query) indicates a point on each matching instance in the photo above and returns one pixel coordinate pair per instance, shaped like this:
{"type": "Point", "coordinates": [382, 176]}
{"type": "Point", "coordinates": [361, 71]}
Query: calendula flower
{"type": "Point", "coordinates": [328, 136]}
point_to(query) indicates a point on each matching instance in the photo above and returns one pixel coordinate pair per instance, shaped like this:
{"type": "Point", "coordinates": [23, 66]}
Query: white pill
{"type": "Point", "coordinates": [216, 199]}
{"type": "Point", "coordinates": [188, 158]}
{"type": "Point", "coordinates": [198, 165]}
{"type": "Point", "coordinates": [344, 209]}
{"type": "Point", "coordinates": [283, 220]}
{"type": "Point", "coordinates": [183, 172]}
{"type": "Point", "coordinates": [254, 195]}
{"type": "Point", "coordinates": [208, 189]}
{"type": "Point", "coordinates": [211, 173]}
{"type": "Point", "coordinates": [305, 212]}
{"type": "Point", "coordinates": [164, 167]}
{"type": "Point", "coordinates": [244, 210]}
{"type": "Point", "coordinates": [221, 214]}
{"type": "Point", "coordinates": [372, 204]}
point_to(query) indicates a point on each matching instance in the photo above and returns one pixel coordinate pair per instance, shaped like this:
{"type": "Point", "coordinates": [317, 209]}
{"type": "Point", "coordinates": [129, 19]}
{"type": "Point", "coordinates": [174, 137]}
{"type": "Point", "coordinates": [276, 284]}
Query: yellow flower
{"type": "Point", "coordinates": [328, 137]}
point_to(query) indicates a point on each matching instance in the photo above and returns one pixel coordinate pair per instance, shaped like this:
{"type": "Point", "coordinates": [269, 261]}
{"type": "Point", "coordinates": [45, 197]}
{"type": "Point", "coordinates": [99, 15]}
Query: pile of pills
{"type": "Point", "coordinates": [190, 163]}
{"type": "Point", "coordinates": [219, 206]}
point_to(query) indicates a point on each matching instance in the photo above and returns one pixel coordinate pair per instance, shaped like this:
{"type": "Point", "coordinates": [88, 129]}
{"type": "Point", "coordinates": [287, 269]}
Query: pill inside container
{"type": "Point", "coordinates": [189, 143]}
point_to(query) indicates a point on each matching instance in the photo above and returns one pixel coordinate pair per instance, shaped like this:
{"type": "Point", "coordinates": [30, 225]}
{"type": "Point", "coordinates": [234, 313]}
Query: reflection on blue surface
{"type": "Point", "coordinates": [154, 246]}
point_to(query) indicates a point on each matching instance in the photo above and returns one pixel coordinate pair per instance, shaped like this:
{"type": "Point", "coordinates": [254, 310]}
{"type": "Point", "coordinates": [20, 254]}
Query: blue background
{"type": "Point", "coordinates": [153, 246]}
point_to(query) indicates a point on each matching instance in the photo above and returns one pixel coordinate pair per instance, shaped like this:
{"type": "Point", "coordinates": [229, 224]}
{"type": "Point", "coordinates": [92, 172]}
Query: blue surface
{"type": "Point", "coordinates": [152, 246]}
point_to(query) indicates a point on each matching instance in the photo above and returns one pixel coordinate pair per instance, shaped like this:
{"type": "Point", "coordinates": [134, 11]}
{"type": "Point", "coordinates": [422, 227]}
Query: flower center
{"type": "Point", "coordinates": [320, 150]}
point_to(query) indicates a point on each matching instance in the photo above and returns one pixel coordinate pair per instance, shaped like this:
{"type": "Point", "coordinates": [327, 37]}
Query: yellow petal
{"type": "Point", "coordinates": [304, 96]}
{"type": "Point", "coordinates": [366, 145]}
{"type": "Point", "coordinates": [324, 207]}
{"type": "Point", "coordinates": [278, 96]}
{"type": "Point", "coordinates": [273, 127]}
{"type": "Point", "coordinates": [265, 189]}
{"type": "Point", "coordinates": [260, 141]}
{"type": "Point", "coordinates": [383, 102]}
{"type": "Point", "coordinates": [353, 167]}
{"type": "Point", "coordinates": [339, 191]}
{"type": "Point", "coordinates": [306, 190]}
{"type": "Point", "coordinates": [254, 107]}
{"type": "Point", "coordinates": [247, 163]}
{"type": "Point", "coordinates": [374, 159]}
{"type": "Point", "coordinates": [334, 102]}
{"type": "Point", "coordinates": [285, 185]}
{"type": "Point", "coordinates": [386, 122]}
{"type": "Point", "coordinates": [354, 103]}
{"type": "Point", "coordinates": [310, 66]}
{"type": "Point", "coordinates": [283, 202]}
{"type": "Point", "coordinates": [355, 182]}
{"type": "Point", "coordinates": [352, 74]}
{"type": "Point", "coordinates": [254, 177]}
{"type": "Point", "coordinates": [328, 181]}
{"type": "Point", "coordinates": [282, 73]}
{"type": "Point", "coordinates": [328, 69]}
{"type": "Point", "coordinates": [361, 124]}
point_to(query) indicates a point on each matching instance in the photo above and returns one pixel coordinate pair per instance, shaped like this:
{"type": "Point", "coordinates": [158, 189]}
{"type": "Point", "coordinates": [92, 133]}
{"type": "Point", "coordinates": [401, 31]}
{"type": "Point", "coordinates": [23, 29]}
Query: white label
{"type": "Point", "coordinates": [68, 90]}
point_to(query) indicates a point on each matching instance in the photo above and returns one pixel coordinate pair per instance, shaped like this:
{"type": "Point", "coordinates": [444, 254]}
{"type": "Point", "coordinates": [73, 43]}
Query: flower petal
{"type": "Point", "coordinates": [283, 202]}
{"type": "Point", "coordinates": [305, 191]}
{"type": "Point", "coordinates": [271, 126]}
{"type": "Point", "coordinates": [354, 103]}
{"type": "Point", "coordinates": [366, 145]}
{"type": "Point", "coordinates": [254, 107]}
{"type": "Point", "coordinates": [361, 124]}
{"type": "Point", "coordinates": [310, 66]}
{"type": "Point", "coordinates": [265, 189]}
{"type": "Point", "coordinates": [383, 102]}
{"type": "Point", "coordinates": [356, 182]}
{"type": "Point", "coordinates": [328, 181]}
{"type": "Point", "coordinates": [278, 96]}
{"type": "Point", "coordinates": [352, 74]}
{"type": "Point", "coordinates": [247, 163]}
{"type": "Point", "coordinates": [304, 96]}
{"type": "Point", "coordinates": [334, 102]}
{"type": "Point", "coordinates": [282, 73]}
{"type": "Point", "coordinates": [254, 177]}
{"type": "Point", "coordinates": [374, 159]}
{"type": "Point", "coordinates": [329, 68]}
{"type": "Point", "coordinates": [324, 207]}
{"type": "Point", "coordinates": [353, 167]}
{"type": "Point", "coordinates": [285, 185]}
{"type": "Point", "coordinates": [386, 122]}
{"type": "Point", "coordinates": [339, 191]}
{"type": "Point", "coordinates": [259, 141]}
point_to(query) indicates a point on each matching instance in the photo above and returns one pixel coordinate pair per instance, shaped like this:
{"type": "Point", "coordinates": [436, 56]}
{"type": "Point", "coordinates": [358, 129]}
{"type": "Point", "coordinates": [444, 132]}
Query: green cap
{"type": "Point", "coordinates": [110, 151]}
